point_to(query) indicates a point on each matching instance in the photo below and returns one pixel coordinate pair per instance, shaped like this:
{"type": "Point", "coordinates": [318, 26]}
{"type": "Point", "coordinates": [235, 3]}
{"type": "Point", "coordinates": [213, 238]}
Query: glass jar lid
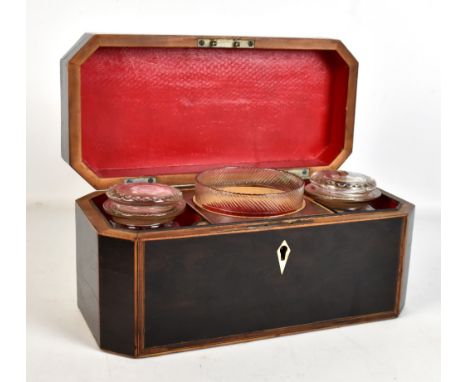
{"type": "Point", "coordinates": [144, 194]}
{"type": "Point", "coordinates": [343, 185]}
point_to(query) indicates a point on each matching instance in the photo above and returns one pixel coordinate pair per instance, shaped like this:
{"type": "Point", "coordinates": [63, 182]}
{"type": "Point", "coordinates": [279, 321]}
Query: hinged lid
{"type": "Point", "coordinates": [171, 106]}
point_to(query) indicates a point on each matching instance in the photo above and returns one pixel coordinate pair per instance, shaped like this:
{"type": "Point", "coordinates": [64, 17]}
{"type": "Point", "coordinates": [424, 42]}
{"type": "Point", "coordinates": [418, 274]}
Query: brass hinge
{"type": "Point", "coordinates": [303, 173]}
{"type": "Point", "coordinates": [143, 179]}
{"type": "Point", "coordinates": [225, 43]}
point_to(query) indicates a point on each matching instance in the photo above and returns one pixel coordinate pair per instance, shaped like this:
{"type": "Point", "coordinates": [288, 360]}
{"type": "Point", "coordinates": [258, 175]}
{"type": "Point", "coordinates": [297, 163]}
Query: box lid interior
{"type": "Point", "coordinates": [164, 107]}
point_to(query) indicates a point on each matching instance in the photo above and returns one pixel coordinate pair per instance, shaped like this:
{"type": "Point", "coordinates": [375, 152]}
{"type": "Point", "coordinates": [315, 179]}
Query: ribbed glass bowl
{"type": "Point", "coordinates": [252, 192]}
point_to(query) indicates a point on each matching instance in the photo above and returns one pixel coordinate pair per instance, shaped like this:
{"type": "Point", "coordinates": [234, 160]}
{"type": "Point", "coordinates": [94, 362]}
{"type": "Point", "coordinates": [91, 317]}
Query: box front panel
{"type": "Point", "coordinates": [215, 286]}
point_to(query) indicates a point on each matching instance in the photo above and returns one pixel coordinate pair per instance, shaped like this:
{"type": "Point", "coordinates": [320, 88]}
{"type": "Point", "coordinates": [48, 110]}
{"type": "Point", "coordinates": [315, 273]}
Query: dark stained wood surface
{"type": "Point", "coordinates": [87, 272]}
{"type": "Point", "coordinates": [124, 265]}
{"type": "Point", "coordinates": [156, 292]}
{"type": "Point", "coordinates": [406, 253]}
{"type": "Point", "coordinates": [202, 288]}
{"type": "Point", "coordinates": [116, 284]}
{"type": "Point", "coordinates": [264, 334]}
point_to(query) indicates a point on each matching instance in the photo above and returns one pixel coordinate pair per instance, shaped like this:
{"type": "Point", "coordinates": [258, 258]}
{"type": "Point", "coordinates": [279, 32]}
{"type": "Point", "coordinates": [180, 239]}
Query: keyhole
{"type": "Point", "coordinates": [283, 251]}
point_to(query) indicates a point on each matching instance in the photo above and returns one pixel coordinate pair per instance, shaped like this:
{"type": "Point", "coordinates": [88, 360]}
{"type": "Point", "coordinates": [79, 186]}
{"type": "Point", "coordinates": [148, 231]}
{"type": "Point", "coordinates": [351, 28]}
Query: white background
{"type": "Point", "coordinates": [396, 141]}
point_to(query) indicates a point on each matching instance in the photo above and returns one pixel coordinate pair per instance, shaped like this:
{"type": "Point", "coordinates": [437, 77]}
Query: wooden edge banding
{"type": "Point", "coordinates": [99, 221]}
{"type": "Point", "coordinates": [140, 296]}
{"type": "Point", "coordinates": [406, 256]}
{"type": "Point", "coordinates": [91, 45]}
{"type": "Point", "coordinates": [350, 105]}
{"type": "Point", "coordinates": [264, 334]}
{"type": "Point", "coordinates": [346, 55]}
{"type": "Point", "coordinates": [74, 116]}
{"type": "Point", "coordinates": [93, 42]}
{"type": "Point", "coordinates": [340, 159]}
{"type": "Point", "coordinates": [184, 41]}
{"type": "Point", "coordinates": [268, 226]}
{"type": "Point", "coordinates": [64, 96]}
{"type": "Point", "coordinates": [408, 209]}
{"type": "Point", "coordinates": [405, 206]}
{"type": "Point", "coordinates": [401, 264]}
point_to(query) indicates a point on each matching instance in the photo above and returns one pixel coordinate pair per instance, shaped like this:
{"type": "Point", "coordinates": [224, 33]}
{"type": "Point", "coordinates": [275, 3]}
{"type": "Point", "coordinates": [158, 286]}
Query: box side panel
{"type": "Point", "coordinates": [87, 271]}
{"type": "Point", "coordinates": [205, 288]}
{"type": "Point", "coordinates": [406, 258]}
{"type": "Point", "coordinates": [116, 292]}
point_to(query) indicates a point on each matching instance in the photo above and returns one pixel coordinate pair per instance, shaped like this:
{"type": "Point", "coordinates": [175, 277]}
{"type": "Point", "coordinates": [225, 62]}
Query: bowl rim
{"type": "Point", "coordinates": [282, 192]}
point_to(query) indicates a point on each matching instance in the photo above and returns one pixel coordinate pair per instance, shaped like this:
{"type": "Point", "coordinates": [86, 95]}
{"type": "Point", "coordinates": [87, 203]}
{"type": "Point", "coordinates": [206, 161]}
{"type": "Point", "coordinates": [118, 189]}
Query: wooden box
{"type": "Point", "coordinates": [163, 108]}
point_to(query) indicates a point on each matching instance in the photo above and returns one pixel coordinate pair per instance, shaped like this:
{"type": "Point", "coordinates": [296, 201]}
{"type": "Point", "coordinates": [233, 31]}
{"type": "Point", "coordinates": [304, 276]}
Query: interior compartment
{"type": "Point", "coordinates": [382, 203]}
{"type": "Point", "coordinates": [192, 217]}
{"type": "Point", "coordinates": [149, 111]}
